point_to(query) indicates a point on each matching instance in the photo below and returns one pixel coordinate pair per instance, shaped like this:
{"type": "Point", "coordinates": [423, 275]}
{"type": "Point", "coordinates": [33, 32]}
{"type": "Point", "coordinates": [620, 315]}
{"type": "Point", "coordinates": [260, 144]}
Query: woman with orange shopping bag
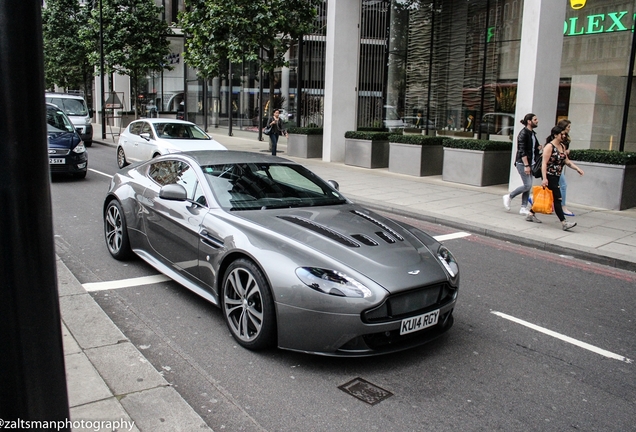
{"type": "Point", "coordinates": [554, 159]}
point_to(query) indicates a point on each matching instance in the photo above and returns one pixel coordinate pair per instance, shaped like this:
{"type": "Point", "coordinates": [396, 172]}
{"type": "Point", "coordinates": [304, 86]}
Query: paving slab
{"type": "Point", "coordinates": [124, 368]}
{"type": "Point", "coordinates": [162, 410]}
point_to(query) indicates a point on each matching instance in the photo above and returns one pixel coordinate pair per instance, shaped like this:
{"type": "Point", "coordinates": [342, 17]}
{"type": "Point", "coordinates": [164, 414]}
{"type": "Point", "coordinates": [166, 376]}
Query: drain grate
{"type": "Point", "coordinates": [365, 391]}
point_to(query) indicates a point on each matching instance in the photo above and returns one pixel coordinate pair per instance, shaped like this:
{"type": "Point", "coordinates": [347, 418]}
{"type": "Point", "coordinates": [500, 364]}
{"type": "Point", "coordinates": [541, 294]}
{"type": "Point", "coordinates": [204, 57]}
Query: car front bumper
{"type": "Point", "coordinates": [344, 335]}
{"type": "Point", "coordinates": [65, 161]}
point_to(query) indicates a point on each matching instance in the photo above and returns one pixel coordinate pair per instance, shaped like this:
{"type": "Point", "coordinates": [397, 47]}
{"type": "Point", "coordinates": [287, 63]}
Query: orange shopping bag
{"type": "Point", "coordinates": [542, 200]}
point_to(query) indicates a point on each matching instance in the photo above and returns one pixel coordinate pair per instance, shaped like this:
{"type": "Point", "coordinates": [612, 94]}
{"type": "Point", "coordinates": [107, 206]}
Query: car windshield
{"type": "Point", "coordinates": [180, 131]}
{"type": "Point", "coordinates": [72, 107]}
{"type": "Point", "coordinates": [253, 186]}
{"type": "Point", "coordinates": [57, 122]}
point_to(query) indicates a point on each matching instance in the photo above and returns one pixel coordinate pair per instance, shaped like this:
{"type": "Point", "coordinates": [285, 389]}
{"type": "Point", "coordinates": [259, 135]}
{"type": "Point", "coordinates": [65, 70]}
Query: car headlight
{"type": "Point", "coordinates": [332, 282]}
{"type": "Point", "coordinates": [448, 261]}
{"type": "Point", "coordinates": [87, 121]}
{"type": "Point", "coordinates": [80, 148]}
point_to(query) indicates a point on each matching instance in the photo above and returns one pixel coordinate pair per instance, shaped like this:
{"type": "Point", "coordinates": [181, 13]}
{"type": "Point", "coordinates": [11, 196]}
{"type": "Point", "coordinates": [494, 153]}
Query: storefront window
{"type": "Point", "coordinates": [596, 52]}
{"type": "Point", "coordinates": [439, 65]}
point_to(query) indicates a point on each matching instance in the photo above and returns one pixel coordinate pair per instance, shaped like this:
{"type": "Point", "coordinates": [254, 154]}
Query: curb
{"type": "Point", "coordinates": [587, 254]}
{"type": "Point", "coordinates": [108, 379]}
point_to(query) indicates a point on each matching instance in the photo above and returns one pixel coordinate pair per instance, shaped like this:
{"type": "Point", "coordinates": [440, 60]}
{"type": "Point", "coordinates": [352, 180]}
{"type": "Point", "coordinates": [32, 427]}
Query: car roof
{"type": "Point", "coordinates": [216, 157]}
{"type": "Point", "coordinates": [164, 120]}
{"type": "Point", "coordinates": [63, 96]}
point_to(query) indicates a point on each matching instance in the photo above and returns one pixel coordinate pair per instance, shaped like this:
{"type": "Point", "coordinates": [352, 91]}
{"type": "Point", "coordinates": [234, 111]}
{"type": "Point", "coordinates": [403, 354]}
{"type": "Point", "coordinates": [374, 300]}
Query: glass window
{"type": "Point", "coordinates": [252, 186]}
{"type": "Point", "coordinates": [596, 51]}
{"type": "Point", "coordinates": [56, 121]}
{"type": "Point", "coordinates": [135, 128]}
{"type": "Point", "coordinates": [180, 131]}
{"type": "Point", "coordinates": [146, 128]}
{"type": "Point", "coordinates": [72, 107]}
{"type": "Point", "coordinates": [175, 172]}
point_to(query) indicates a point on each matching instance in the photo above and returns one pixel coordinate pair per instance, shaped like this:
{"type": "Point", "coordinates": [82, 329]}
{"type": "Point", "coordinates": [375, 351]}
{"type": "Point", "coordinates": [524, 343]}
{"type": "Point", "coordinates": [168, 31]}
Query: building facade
{"type": "Point", "coordinates": [451, 67]}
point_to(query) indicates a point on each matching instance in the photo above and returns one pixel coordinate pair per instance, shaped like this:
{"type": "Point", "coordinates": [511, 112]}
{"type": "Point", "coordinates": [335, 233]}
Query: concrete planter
{"type": "Point", "coordinates": [366, 153]}
{"type": "Point", "coordinates": [304, 146]}
{"type": "Point", "coordinates": [604, 186]}
{"type": "Point", "coordinates": [476, 167]}
{"type": "Point", "coordinates": [416, 160]}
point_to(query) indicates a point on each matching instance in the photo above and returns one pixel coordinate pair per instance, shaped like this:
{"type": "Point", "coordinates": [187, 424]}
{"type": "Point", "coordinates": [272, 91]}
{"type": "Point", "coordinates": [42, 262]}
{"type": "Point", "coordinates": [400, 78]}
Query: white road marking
{"type": "Point", "coordinates": [124, 283]}
{"type": "Point", "coordinates": [564, 338]}
{"type": "Point", "coordinates": [452, 236]}
{"type": "Point", "coordinates": [99, 172]}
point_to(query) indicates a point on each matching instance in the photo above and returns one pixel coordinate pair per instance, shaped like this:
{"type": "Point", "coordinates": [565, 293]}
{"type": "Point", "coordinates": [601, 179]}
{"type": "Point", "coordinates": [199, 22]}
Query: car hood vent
{"type": "Point", "coordinates": [365, 239]}
{"type": "Point", "coordinates": [378, 223]}
{"type": "Point", "coordinates": [321, 229]}
{"type": "Point", "coordinates": [386, 237]}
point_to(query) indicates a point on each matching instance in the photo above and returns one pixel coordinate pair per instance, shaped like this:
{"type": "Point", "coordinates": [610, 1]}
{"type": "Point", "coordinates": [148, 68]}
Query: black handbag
{"type": "Point", "coordinates": [267, 130]}
{"type": "Point", "coordinates": [536, 168]}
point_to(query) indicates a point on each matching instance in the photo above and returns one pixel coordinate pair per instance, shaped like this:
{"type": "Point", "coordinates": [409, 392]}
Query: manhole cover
{"type": "Point", "coordinates": [365, 391]}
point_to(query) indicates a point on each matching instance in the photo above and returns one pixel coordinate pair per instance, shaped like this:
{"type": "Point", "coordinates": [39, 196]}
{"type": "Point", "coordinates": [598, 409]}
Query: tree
{"type": "Point", "coordinates": [135, 39]}
{"type": "Point", "coordinates": [244, 30]}
{"type": "Point", "coordinates": [65, 56]}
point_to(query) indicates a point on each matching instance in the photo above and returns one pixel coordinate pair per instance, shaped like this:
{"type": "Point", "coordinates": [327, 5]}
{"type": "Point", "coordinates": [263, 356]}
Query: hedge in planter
{"type": "Point", "coordinates": [416, 155]}
{"type": "Point", "coordinates": [476, 162]}
{"type": "Point", "coordinates": [305, 130]}
{"type": "Point", "coordinates": [367, 149]}
{"type": "Point", "coordinates": [609, 181]}
{"type": "Point", "coordinates": [304, 142]}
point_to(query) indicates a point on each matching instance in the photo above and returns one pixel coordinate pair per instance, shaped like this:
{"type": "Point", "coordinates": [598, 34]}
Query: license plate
{"type": "Point", "coordinates": [410, 325]}
{"type": "Point", "coordinates": [54, 161]}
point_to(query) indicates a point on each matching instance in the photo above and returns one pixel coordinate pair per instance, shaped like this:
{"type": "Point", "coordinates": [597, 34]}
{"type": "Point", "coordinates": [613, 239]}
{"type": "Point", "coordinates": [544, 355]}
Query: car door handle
{"type": "Point", "coordinates": [210, 240]}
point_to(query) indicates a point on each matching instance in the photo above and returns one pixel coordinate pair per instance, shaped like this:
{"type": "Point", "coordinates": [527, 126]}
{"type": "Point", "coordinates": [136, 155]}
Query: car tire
{"type": "Point", "coordinates": [116, 232]}
{"type": "Point", "coordinates": [248, 307]}
{"type": "Point", "coordinates": [79, 175]}
{"type": "Point", "coordinates": [121, 158]}
{"type": "Point", "coordinates": [88, 143]}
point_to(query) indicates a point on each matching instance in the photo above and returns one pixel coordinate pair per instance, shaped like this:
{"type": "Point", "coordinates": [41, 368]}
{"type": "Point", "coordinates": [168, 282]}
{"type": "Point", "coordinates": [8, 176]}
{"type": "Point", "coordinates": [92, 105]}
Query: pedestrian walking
{"type": "Point", "coordinates": [528, 148]}
{"type": "Point", "coordinates": [554, 159]}
{"type": "Point", "coordinates": [566, 125]}
{"type": "Point", "coordinates": [275, 124]}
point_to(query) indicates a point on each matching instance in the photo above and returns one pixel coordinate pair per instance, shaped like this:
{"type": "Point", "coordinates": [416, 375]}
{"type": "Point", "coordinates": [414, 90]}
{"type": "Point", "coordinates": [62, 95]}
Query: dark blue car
{"type": "Point", "coordinates": [67, 153]}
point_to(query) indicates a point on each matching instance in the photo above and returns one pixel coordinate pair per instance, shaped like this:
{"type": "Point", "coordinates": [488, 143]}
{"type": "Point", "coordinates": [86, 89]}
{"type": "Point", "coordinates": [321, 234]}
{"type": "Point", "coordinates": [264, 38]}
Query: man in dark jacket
{"type": "Point", "coordinates": [527, 150]}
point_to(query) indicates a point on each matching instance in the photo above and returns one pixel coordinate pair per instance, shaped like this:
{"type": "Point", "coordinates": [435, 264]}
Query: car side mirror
{"type": "Point", "coordinates": [145, 136]}
{"type": "Point", "coordinates": [334, 184]}
{"type": "Point", "coordinates": [173, 192]}
{"type": "Point", "coordinates": [91, 112]}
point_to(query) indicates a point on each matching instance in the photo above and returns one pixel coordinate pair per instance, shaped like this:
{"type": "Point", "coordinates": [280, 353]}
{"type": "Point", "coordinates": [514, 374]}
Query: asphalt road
{"type": "Point", "coordinates": [489, 372]}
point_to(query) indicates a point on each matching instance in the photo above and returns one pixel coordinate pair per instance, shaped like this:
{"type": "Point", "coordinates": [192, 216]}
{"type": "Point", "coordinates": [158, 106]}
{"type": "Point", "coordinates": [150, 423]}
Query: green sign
{"type": "Point", "coordinates": [591, 24]}
{"type": "Point", "coordinates": [599, 23]}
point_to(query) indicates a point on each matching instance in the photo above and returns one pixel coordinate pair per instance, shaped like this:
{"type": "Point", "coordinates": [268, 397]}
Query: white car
{"type": "Point", "coordinates": [147, 138]}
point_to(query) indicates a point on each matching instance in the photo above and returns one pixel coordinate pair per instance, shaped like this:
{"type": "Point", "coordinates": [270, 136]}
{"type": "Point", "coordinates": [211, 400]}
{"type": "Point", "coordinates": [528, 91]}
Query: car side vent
{"type": "Point", "coordinates": [321, 229]}
{"type": "Point", "coordinates": [378, 223]}
{"type": "Point", "coordinates": [385, 236]}
{"type": "Point", "coordinates": [365, 239]}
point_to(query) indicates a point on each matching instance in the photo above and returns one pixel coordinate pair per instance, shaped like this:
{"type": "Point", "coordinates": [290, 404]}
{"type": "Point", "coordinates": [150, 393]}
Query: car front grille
{"type": "Point", "coordinates": [59, 168]}
{"type": "Point", "coordinates": [411, 303]}
{"type": "Point", "coordinates": [53, 152]}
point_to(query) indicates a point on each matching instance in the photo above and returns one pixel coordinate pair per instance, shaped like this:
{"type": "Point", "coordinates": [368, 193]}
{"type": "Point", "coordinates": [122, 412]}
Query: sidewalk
{"type": "Point", "coordinates": [602, 236]}
{"type": "Point", "coordinates": [109, 379]}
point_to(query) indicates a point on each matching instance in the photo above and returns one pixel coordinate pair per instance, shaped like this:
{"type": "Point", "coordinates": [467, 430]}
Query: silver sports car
{"type": "Point", "coordinates": [289, 260]}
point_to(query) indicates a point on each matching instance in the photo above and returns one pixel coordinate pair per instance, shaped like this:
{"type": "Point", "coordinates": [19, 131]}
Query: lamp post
{"type": "Point", "coordinates": [101, 68]}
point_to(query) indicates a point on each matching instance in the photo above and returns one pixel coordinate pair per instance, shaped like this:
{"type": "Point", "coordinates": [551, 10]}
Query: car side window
{"type": "Point", "coordinates": [135, 128]}
{"type": "Point", "coordinates": [177, 172]}
{"type": "Point", "coordinates": [146, 128]}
